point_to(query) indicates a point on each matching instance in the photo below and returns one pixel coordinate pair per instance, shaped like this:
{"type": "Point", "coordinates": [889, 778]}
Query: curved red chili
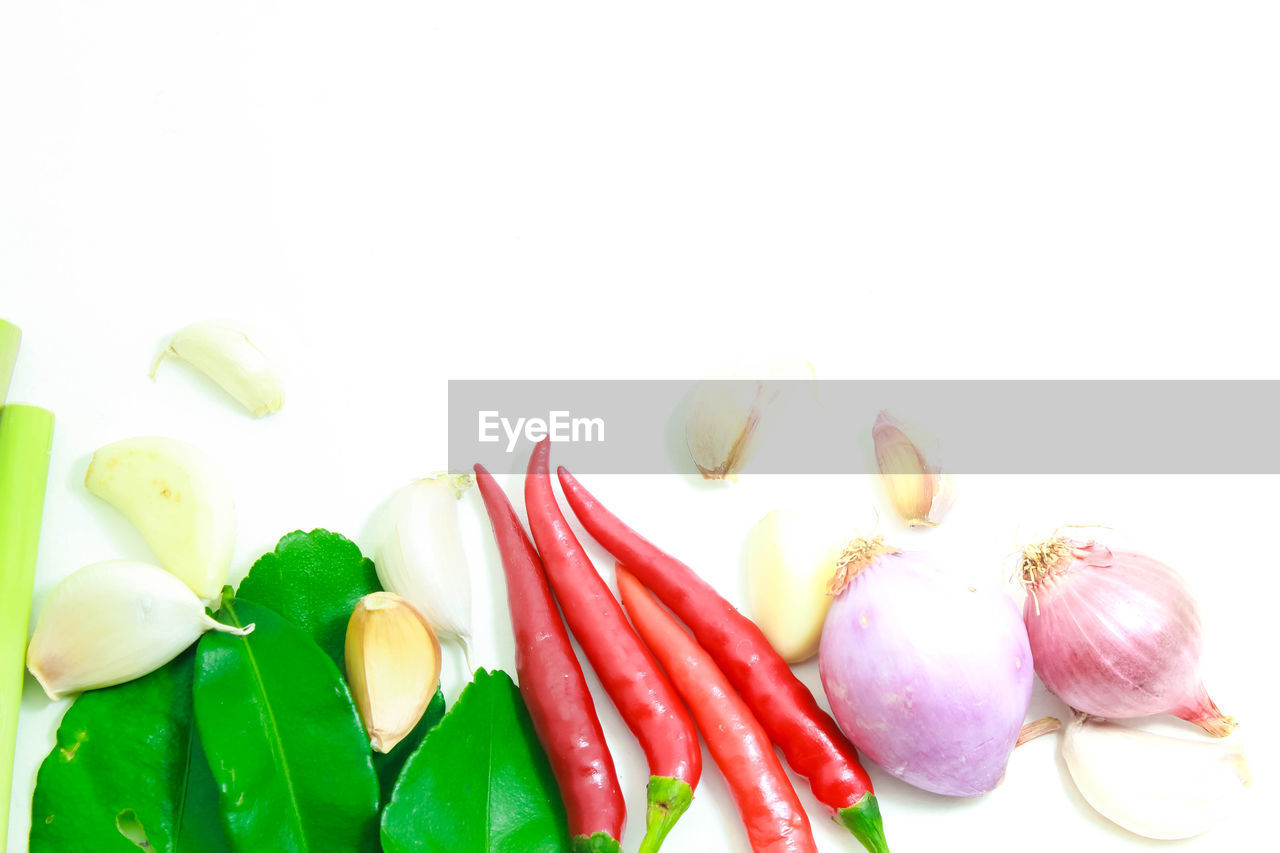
{"type": "Point", "coordinates": [630, 675]}
{"type": "Point", "coordinates": [809, 738]}
{"type": "Point", "coordinates": [770, 809]}
{"type": "Point", "coordinates": [553, 687]}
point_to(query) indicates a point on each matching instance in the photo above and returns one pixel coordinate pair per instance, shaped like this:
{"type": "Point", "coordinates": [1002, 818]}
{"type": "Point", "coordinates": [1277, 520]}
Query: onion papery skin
{"type": "Point", "coordinates": [928, 677]}
{"type": "Point", "coordinates": [1117, 634]}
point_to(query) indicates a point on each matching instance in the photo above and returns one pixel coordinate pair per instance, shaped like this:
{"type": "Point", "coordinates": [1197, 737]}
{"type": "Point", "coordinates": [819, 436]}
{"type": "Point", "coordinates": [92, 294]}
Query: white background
{"type": "Point", "coordinates": [403, 193]}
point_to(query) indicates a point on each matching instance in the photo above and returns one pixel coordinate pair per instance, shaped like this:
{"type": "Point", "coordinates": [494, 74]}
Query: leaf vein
{"type": "Point", "coordinates": [277, 744]}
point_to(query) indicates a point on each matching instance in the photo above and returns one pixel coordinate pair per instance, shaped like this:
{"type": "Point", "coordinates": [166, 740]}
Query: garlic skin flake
{"type": "Point", "coordinates": [223, 351]}
{"type": "Point", "coordinates": [790, 559]}
{"type": "Point", "coordinates": [112, 622]}
{"type": "Point", "coordinates": [178, 499]}
{"type": "Point", "coordinates": [917, 487]}
{"type": "Point", "coordinates": [393, 666]}
{"type": "Point", "coordinates": [419, 556]}
{"type": "Point", "coordinates": [1153, 785]}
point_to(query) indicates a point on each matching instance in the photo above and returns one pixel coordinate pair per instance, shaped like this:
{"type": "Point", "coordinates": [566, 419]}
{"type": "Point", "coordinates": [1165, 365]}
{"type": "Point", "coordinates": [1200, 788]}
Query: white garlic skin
{"type": "Point", "coordinates": [178, 499]}
{"type": "Point", "coordinates": [419, 555]}
{"type": "Point", "coordinates": [112, 622]}
{"type": "Point", "coordinates": [1156, 786]}
{"type": "Point", "coordinates": [790, 558]}
{"type": "Point", "coordinates": [226, 353]}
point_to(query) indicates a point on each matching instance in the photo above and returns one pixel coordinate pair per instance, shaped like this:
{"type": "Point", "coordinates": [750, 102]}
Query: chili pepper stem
{"type": "Point", "coordinates": [669, 798]}
{"type": "Point", "coordinates": [601, 842]}
{"type": "Point", "coordinates": [863, 820]}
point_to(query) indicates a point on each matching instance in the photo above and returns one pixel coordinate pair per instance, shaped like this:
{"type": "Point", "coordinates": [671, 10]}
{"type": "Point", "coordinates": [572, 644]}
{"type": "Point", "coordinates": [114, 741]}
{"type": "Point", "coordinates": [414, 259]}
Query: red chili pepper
{"type": "Point", "coordinates": [553, 687]}
{"type": "Point", "coordinates": [770, 809]}
{"type": "Point", "coordinates": [812, 743]}
{"type": "Point", "coordinates": [643, 695]}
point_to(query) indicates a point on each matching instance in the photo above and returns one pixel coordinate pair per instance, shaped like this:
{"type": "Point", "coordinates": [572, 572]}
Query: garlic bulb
{"type": "Point", "coordinates": [178, 499]}
{"type": "Point", "coordinates": [790, 558]}
{"type": "Point", "coordinates": [917, 488]}
{"type": "Point", "coordinates": [113, 622]}
{"type": "Point", "coordinates": [393, 666]}
{"type": "Point", "coordinates": [223, 351]}
{"type": "Point", "coordinates": [1153, 785]}
{"type": "Point", "coordinates": [419, 555]}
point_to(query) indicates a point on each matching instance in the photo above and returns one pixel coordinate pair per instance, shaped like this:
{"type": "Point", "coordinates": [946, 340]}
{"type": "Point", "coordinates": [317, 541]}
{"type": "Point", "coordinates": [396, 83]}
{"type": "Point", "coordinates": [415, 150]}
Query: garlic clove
{"type": "Point", "coordinates": [723, 424]}
{"type": "Point", "coordinates": [1153, 785]}
{"type": "Point", "coordinates": [113, 622]}
{"type": "Point", "coordinates": [419, 555]}
{"type": "Point", "coordinates": [179, 500]}
{"type": "Point", "coordinates": [393, 666]}
{"type": "Point", "coordinates": [790, 558]}
{"type": "Point", "coordinates": [720, 427]}
{"type": "Point", "coordinates": [918, 490]}
{"type": "Point", "coordinates": [224, 351]}
{"type": "Point", "coordinates": [727, 418]}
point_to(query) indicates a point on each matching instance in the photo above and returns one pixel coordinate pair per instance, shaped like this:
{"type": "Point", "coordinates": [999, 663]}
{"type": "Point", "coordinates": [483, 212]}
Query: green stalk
{"type": "Point", "coordinates": [863, 820]}
{"type": "Point", "coordinates": [9, 338]}
{"type": "Point", "coordinates": [26, 435]}
{"type": "Point", "coordinates": [601, 842]}
{"type": "Point", "coordinates": [668, 799]}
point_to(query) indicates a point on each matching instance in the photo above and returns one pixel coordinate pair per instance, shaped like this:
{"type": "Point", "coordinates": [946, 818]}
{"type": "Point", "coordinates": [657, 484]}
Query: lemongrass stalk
{"type": "Point", "coordinates": [10, 335]}
{"type": "Point", "coordinates": [26, 434]}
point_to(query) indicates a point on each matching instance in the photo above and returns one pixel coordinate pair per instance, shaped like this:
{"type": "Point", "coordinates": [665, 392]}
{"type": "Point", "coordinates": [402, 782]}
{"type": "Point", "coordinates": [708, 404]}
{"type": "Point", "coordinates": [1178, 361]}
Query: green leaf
{"type": "Point", "coordinates": [128, 758]}
{"type": "Point", "coordinates": [389, 764]}
{"type": "Point", "coordinates": [314, 580]}
{"type": "Point", "coordinates": [286, 746]}
{"type": "Point", "coordinates": [480, 782]}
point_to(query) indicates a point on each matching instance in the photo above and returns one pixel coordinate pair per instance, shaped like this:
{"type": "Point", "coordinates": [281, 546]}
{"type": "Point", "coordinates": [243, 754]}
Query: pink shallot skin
{"type": "Point", "coordinates": [929, 678]}
{"type": "Point", "coordinates": [1117, 634]}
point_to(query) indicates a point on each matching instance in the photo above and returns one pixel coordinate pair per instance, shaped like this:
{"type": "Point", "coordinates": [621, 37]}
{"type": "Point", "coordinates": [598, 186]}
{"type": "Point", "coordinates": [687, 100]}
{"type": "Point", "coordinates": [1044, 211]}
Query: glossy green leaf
{"type": "Point", "coordinates": [128, 758]}
{"type": "Point", "coordinates": [480, 782]}
{"type": "Point", "coordinates": [388, 765]}
{"type": "Point", "coordinates": [314, 580]}
{"type": "Point", "coordinates": [286, 745]}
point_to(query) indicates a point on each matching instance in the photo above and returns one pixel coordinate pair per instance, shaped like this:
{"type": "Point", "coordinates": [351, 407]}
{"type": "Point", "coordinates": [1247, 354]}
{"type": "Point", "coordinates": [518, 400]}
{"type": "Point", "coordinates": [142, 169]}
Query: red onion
{"type": "Point", "coordinates": [928, 677]}
{"type": "Point", "coordinates": [1116, 634]}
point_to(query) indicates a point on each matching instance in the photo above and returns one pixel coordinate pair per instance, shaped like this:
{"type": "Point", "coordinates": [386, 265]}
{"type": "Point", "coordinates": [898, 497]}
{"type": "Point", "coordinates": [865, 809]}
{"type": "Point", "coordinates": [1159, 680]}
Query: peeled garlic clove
{"type": "Point", "coordinates": [113, 622]}
{"type": "Point", "coordinates": [790, 559]}
{"type": "Point", "coordinates": [393, 666]}
{"type": "Point", "coordinates": [918, 489]}
{"type": "Point", "coordinates": [178, 499]}
{"type": "Point", "coordinates": [223, 351]}
{"type": "Point", "coordinates": [419, 554]}
{"type": "Point", "coordinates": [1156, 786]}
